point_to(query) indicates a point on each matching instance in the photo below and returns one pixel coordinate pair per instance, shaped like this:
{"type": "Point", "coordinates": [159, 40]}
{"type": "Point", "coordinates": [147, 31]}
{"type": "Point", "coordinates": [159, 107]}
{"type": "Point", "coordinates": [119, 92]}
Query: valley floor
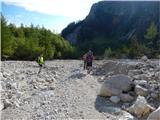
{"type": "Point", "coordinates": [63, 90]}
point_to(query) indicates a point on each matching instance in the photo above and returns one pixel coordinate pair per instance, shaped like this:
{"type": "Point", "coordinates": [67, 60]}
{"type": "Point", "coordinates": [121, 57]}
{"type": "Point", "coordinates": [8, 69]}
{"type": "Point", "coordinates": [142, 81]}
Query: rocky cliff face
{"type": "Point", "coordinates": [119, 20]}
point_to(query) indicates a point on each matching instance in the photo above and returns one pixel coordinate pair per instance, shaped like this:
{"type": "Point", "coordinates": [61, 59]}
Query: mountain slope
{"type": "Point", "coordinates": [113, 23]}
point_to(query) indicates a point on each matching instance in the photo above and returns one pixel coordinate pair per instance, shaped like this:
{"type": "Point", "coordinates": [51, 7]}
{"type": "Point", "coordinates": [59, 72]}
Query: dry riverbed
{"type": "Point", "coordinates": [62, 90]}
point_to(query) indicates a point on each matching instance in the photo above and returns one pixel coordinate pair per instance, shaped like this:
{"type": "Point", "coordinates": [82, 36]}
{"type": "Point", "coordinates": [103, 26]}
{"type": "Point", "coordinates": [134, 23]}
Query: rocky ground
{"type": "Point", "coordinates": [63, 90]}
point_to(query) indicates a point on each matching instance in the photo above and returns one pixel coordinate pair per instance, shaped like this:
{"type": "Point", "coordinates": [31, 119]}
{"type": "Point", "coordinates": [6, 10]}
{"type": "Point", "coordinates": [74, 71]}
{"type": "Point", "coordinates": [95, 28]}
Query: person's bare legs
{"type": "Point", "coordinates": [89, 69]}
{"type": "Point", "coordinates": [40, 69]}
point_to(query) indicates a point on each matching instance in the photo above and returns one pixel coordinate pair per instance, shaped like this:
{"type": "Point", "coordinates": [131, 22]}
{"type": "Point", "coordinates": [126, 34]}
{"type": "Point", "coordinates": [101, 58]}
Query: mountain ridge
{"type": "Point", "coordinates": [114, 20]}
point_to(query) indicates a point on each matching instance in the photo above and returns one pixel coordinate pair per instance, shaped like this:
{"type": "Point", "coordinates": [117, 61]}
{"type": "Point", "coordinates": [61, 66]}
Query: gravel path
{"type": "Point", "coordinates": [62, 90]}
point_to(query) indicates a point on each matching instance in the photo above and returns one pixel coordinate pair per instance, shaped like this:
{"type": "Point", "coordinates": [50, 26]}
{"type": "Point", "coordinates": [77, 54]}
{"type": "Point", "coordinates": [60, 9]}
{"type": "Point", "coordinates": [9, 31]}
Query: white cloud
{"type": "Point", "coordinates": [69, 8]}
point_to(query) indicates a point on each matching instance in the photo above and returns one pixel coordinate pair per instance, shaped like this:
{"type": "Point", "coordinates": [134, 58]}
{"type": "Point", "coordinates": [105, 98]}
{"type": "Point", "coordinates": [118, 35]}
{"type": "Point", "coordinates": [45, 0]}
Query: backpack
{"type": "Point", "coordinates": [40, 60]}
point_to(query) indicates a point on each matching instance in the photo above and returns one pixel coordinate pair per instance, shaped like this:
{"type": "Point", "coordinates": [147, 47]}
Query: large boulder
{"type": "Point", "coordinates": [115, 85]}
{"type": "Point", "coordinates": [115, 67]}
{"type": "Point", "coordinates": [155, 115]}
{"type": "Point", "coordinates": [140, 108]}
{"type": "Point", "coordinates": [108, 90]}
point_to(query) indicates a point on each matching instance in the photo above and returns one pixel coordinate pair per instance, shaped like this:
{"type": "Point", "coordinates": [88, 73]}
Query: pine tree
{"type": "Point", "coordinates": [107, 53]}
{"type": "Point", "coordinates": [151, 35]}
{"type": "Point", "coordinates": [7, 42]}
{"type": "Point", "coordinates": [27, 43]}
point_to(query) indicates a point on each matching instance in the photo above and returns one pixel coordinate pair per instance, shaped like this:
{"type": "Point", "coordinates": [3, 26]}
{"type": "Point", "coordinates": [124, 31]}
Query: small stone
{"type": "Point", "coordinates": [101, 79]}
{"type": "Point", "coordinates": [8, 86]}
{"type": "Point", "coordinates": [126, 116]}
{"type": "Point", "coordinates": [144, 58]}
{"type": "Point", "coordinates": [141, 91]}
{"type": "Point", "coordinates": [111, 110]}
{"type": "Point", "coordinates": [140, 82]}
{"type": "Point", "coordinates": [115, 99]}
{"type": "Point", "coordinates": [5, 74]}
{"type": "Point", "coordinates": [7, 103]}
{"type": "Point", "coordinates": [41, 80]}
{"type": "Point", "coordinates": [52, 88]}
{"type": "Point", "coordinates": [1, 105]}
{"type": "Point", "coordinates": [126, 97]}
{"type": "Point", "coordinates": [17, 103]}
{"type": "Point", "coordinates": [1, 75]}
{"type": "Point", "coordinates": [154, 95]}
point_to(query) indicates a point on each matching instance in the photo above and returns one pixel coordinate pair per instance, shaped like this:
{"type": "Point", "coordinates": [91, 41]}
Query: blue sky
{"type": "Point", "coordinates": [52, 14]}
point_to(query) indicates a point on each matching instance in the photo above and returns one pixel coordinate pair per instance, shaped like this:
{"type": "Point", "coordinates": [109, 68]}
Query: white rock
{"type": "Point", "coordinates": [144, 58]}
{"type": "Point", "coordinates": [141, 77]}
{"type": "Point", "coordinates": [1, 75]}
{"type": "Point", "coordinates": [7, 103]}
{"type": "Point", "coordinates": [154, 95]}
{"type": "Point", "coordinates": [43, 87]}
{"type": "Point", "coordinates": [140, 82]}
{"type": "Point", "coordinates": [134, 72]}
{"type": "Point", "coordinates": [101, 79]}
{"type": "Point", "coordinates": [15, 85]}
{"type": "Point", "coordinates": [1, 105]}
{"type": "Point", "coordinates": [6, 74]}
{"type": "Point", "coordinates": [126, 116]}
{"type": "Point", "coordinates": [17, 103]}
{"type": "Point", "coordinates": [141, 91]}
{"type": "Point", "coordinates": [42, 80]}
{"type": "Point", "coordinates": [115, 99]}
{"type": "Point", "coordinates": [1, 85]}
{"type": "Point", "coordinates": [140, 108]}
{"type": "Point", "coordinates": [157, 75]}
{"type": "Point", "coordinates": [111, 110]}
{"type": "Point", "coordinates": [155, 115]}
{"type": "Point", "coordinates": [121, 114]}
{"type": "Point", "coordinates": [22, 84]}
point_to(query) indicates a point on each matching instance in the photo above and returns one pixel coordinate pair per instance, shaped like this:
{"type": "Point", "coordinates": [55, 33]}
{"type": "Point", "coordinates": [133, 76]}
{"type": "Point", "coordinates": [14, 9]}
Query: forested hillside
{"type": "Point", "coordinates": [27, 43]}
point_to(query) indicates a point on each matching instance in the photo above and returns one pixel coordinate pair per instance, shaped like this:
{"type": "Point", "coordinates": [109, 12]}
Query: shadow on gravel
{"type": "Point", "coordinates": [33, 66]}
{"type": "Point", "coordinates": [77, 75]}
{"type": "Point", "coordinates": [75, 70]}
{"type": "Point", "coordinates": [100, 104]}
{"type": "Point", "coordinates": [104, 105]}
